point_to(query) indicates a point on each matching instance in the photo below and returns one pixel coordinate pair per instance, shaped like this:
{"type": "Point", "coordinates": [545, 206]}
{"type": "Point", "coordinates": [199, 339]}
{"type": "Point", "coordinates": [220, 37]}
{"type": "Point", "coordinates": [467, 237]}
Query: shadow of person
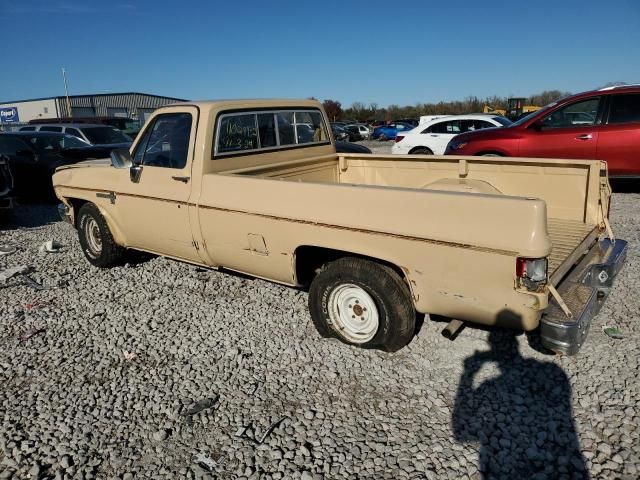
{"type": "Point", "coordinates": [522, 418]}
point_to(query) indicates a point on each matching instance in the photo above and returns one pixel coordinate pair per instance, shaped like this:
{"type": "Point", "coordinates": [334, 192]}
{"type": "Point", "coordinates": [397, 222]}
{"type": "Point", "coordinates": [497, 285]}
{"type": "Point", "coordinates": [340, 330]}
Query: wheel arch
{"type": "Point", "coordinates": [76, 203]}
{"type": "Point", "coordinates": [307, 259]}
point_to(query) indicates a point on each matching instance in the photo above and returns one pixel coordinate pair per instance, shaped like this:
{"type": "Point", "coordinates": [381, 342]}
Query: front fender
{"type": "Point", "coordinates": [74, 204]}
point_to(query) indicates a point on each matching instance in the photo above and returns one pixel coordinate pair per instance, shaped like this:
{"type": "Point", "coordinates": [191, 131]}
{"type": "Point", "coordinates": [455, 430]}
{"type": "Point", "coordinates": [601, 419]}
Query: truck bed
{"type": "Point", "coordinates": [569, 188]}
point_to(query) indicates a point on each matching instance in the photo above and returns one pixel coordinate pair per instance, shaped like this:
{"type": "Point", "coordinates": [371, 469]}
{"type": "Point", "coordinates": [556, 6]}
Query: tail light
{"type": "Point", "coordinates": [399, 137]}
{"type": "Point", "coordinates": [532, 272]}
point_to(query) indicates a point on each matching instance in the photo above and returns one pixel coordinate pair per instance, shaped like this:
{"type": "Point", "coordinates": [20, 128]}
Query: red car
{"type": "Point", "coordinates": [601, 124]}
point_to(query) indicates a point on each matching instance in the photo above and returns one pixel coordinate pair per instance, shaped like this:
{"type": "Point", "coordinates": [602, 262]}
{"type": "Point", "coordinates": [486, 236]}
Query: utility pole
{"type": "Point", "coordinates": [66, 92]}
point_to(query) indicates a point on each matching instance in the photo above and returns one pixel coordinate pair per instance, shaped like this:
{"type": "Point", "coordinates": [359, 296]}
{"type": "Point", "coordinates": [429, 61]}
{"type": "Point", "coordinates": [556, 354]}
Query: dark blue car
{"type": "Point", "coordinates": [390, 130]}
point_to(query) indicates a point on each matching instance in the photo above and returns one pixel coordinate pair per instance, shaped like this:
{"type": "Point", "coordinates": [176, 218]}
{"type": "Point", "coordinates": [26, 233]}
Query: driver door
{"type": "Point", "coordinates": [570, 131]}
{"type": "Point", "coordinates": [154, 206]}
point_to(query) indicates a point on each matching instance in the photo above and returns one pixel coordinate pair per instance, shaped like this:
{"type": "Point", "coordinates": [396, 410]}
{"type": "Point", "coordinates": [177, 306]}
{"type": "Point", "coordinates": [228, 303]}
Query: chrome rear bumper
{"type": "Point", "coordinates": [584, 291]}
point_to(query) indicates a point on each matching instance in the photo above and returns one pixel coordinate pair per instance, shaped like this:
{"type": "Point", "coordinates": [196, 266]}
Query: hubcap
{"type": "Point", "coordinates": [92, 235]}
{"type": "Point", "coordinates": [353, 313]}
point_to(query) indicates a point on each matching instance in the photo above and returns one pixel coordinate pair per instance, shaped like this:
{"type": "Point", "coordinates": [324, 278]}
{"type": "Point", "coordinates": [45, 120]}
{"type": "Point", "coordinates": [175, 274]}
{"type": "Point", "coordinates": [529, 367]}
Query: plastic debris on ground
{"type": "Point", "coordinates": [50, 246]}
{"type": "Point", "coordinates": [12, 272]}
{"type": "Point", "coordinates": [613, 332]}
{"type": "Point", "coordinates": [7, 249]}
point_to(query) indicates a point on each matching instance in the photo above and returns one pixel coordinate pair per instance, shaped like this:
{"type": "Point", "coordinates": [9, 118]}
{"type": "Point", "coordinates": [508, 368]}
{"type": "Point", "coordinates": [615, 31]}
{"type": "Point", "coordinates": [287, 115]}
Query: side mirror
{"type": "Point", "coordinates": [121, 158]}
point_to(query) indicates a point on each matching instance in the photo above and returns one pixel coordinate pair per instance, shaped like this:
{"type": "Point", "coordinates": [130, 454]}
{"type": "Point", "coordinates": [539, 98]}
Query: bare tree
{"type": "Point", "coordinates": [333, 109]}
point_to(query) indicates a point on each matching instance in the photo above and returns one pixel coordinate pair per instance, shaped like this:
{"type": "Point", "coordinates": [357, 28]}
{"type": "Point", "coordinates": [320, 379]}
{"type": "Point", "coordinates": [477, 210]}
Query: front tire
{"type": "Point", "coordinates": [362, 303]}
{"type": "Point", "coordinates": [96, 240]}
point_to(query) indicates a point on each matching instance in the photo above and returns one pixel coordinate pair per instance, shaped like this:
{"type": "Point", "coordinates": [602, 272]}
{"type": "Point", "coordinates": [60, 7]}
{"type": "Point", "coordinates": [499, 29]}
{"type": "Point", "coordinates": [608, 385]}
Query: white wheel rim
{"type": "Point", "coordinates": [92, 235]}
{"type": "Point", "coordinates": [353, 313]}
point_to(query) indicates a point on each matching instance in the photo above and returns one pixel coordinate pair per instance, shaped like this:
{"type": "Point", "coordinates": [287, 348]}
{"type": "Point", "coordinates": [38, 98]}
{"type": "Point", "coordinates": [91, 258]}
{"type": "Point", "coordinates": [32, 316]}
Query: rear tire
{"type": "Point", "coordinates": [96, 240]}
{"type": "Point", "coordinates": [362, 303]}
{"type": "Point", "coordinates": [422, 151]}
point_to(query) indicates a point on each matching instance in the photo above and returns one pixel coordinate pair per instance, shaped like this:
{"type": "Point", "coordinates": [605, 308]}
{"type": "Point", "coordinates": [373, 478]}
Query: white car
{"type": "Point", "coordinates": [431, 138]}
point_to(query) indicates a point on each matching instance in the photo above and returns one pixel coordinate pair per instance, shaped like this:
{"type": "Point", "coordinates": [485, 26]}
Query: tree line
{"type": "Point", "coordinates": [361, 112]}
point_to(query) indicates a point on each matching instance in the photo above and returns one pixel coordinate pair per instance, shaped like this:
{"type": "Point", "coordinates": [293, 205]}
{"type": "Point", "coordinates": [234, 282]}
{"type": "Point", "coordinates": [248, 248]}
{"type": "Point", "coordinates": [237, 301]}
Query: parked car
{"type": "Point", "coordinates": [6, 186]}
{"type": "Point", "coordinates": [354, 133]}
{"type": "Point", "coordinates": [365, 131]}
{"type": "Point", "coordinates": [126, 125]}
{"type": "Point", "coordinates": [602, 124]}
{"type": "Point", "coordinates": [33, 157]}
{"type": "Point", "coordinates": [339, 133]}
{"type": "Point", "coordinates": [431, 138]}
{"type": "Point", "coordinates": [390, 130]}
{"type": "Point", "coordinates": [93, 134]}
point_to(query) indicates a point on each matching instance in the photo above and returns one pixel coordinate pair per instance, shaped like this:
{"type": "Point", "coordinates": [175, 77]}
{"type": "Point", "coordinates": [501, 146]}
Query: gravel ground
{"type": "Point", "coordinates": [165, 370]}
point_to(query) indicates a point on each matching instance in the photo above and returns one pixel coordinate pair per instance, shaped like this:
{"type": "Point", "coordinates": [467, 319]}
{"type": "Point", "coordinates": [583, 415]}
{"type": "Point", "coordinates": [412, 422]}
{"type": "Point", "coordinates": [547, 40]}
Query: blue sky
{"type": "Point", "coordinates": [387, 52]}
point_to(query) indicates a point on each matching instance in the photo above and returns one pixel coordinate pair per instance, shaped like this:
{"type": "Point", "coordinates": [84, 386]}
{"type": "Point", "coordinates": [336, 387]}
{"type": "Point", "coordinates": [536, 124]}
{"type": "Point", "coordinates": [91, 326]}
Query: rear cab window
{"type": "Point", "coordinates": [256, 131]}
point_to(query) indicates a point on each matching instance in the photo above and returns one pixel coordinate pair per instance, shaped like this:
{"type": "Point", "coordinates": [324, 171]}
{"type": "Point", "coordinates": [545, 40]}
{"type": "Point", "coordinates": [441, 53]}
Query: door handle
{"type": "Point", "coordinates": [585, 136]}
{"type": "Point", "coordinates": [434, 135]}
{"type": "Point", "coordinates": [181, 179]}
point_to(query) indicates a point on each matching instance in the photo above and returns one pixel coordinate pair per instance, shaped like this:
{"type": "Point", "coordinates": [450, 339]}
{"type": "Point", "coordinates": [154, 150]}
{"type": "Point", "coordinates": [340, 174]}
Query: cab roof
{"type": "Point", "coordinates": [247, 103]}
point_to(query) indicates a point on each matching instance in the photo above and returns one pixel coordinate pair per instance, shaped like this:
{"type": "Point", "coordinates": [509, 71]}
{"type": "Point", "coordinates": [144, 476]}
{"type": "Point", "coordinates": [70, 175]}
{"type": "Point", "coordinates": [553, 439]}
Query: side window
{"type": "Point", "coordinates": [450, 127]}
{"type": "Point", "coordinates": [468, 125]}
{"type": "Point", "coordinates": [471, 125]}
{"type": "Point", "coordinates": [51, 129]}
{"type": "Point", "coordinates": [625, 108]}
{"type": "Point", "coordinates": [72, 131]}
{"type": "Point", "coordinates": [166, 142]}
{"type": "Point", "coordinates": [237, 133]}
{"type": "Point", "coordinates": [480, 124]}
{"type": "Point", "coordinates": [573, 115]}
{"type": "Point", "coordinates": [27, 129]}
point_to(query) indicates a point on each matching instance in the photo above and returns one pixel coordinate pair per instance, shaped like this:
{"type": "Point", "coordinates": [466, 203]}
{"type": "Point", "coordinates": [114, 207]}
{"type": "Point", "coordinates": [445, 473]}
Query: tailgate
{"type": "Point", "coordinates": [570, 240]}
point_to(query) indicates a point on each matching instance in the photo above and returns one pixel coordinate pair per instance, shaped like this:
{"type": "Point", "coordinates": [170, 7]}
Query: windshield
{"type": "Point", "coordinates": [105, 135]}
{"type": "Point", "coordinates": [504, 121]}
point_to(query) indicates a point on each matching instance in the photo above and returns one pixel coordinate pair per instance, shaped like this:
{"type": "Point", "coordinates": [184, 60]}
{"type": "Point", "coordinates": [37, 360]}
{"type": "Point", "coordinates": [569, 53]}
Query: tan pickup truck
{"type": "Point", "coordinates": [257, 187]}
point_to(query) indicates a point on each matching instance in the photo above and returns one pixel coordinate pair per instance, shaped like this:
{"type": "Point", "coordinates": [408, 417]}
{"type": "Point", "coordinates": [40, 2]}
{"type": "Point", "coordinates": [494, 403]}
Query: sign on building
{"type": "Point", "coordinates": [9, 115]}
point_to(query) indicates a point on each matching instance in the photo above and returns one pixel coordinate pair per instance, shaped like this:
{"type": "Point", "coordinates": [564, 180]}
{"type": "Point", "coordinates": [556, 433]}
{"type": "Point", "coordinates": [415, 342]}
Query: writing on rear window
{"type": "Point", "coordinates": [241, 132]}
